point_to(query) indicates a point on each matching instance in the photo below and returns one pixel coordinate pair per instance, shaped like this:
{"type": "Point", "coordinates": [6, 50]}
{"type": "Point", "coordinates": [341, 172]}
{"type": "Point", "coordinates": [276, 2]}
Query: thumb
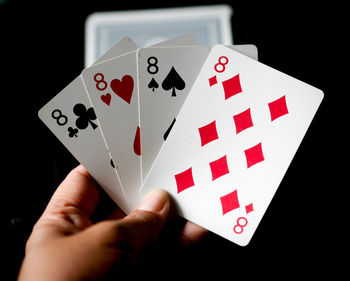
{"type": "Point", "coordinates": [144, 224]}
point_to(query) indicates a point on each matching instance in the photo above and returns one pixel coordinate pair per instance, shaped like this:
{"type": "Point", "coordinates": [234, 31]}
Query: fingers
{"type": "Point", "coordinates": [158, 201]}
{"type": "Point", "coordinates": [117, 214]}
{"type": "Point", "coordinates": [70, 207]}
{"type": "Point", "coordinates": [140, 228]}
{"type": "Point", "coordinates": [192, 233]}
{"type": "Point", "coordinates": [79, 190]}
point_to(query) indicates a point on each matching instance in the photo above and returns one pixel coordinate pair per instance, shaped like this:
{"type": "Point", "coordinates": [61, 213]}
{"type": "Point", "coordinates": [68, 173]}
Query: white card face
{"type": "Point", "coordinates": [232, 143]}
{"type": "Point", "coordinates": [124, 46]}
{"type": "Point", "coordinates": [248, 50]}
{"type": "Point", "coordinates": [112, 89]}
{"type": "Point", "coordinates": [186, 39]}
{"type": "Point", "coordinates": [166, 76]}
{"type": "Point", "coordinates": [67, 115]}
{"type": "Point", "coordinates": [87, 146]}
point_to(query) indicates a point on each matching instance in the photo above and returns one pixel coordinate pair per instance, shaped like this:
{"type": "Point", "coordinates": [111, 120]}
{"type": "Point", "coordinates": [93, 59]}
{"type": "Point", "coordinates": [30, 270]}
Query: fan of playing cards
{"type": "Point", "coordinates": [211, 125]}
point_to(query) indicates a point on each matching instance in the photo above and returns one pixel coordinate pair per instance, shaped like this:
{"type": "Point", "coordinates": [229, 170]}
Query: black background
{"type": "Point", "coordinates": [42, 50]}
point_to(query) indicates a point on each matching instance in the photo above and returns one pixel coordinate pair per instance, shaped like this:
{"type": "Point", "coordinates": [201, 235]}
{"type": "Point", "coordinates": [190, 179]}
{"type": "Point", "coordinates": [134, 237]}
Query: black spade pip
{"type": "Point", "coordinates": [153, 84]}
{"type": "Point", "coordinates": [173, 81]}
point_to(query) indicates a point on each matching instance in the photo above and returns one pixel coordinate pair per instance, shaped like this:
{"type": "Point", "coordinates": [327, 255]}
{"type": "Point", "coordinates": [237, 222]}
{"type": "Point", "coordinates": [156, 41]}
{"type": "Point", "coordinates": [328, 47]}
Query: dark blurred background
{"type": "Point", "coordinates": [42, 50]}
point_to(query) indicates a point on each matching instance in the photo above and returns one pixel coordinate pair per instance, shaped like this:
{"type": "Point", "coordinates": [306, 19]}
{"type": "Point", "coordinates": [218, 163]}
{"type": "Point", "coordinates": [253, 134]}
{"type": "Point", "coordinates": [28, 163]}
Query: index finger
{"type": "Point", "coordinates": [77, 190]}
{"type": "Point", "coordinates": [192, 233]}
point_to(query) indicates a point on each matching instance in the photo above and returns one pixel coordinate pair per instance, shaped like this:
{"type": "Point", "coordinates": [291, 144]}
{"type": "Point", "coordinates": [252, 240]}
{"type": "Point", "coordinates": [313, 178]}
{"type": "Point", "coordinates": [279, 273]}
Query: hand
{"type": "Point", "coordinates": [66, 245]}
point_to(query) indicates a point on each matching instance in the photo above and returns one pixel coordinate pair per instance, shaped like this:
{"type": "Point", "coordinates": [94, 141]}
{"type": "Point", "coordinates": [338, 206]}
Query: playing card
{"type": "Point", "coordinates": [110, 86]}
{"type": "Point", "coordinates": [232, 143]}
{"type": "Point", "coordinates": [112, 89]}
{"type": "Point", "coordinates": [166, 76]}
{"type": "Point", "coordinates": [186, 39]}
{"type": "Point", "coordinates": [125, 45]}
{"type": "Point", "coordinates": [70, 116]}
{"type": "Point", "coordinates": [246, 49]}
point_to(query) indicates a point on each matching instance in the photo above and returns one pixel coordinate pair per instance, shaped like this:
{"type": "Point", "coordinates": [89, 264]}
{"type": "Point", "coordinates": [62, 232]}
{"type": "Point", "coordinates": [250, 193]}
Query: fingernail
{"type": "Point", "coordinates": [154, 201]}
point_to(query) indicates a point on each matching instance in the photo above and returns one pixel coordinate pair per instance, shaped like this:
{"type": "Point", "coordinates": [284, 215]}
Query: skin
{"type": "Point", "coordinates": [66, 245]}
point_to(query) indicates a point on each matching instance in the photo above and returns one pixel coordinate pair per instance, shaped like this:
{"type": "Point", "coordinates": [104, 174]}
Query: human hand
{"type": "Point", "coordinates": [66, 245]}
